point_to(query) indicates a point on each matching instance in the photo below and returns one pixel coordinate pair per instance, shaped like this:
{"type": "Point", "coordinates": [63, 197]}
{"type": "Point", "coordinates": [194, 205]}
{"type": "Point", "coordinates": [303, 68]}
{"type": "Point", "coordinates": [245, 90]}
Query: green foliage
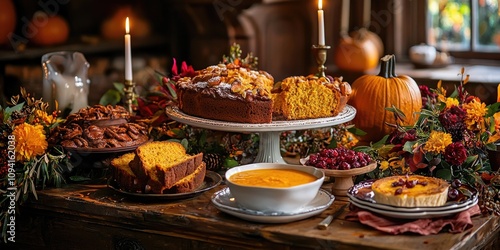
{"type": "Point", "coordinates": [113, 96]}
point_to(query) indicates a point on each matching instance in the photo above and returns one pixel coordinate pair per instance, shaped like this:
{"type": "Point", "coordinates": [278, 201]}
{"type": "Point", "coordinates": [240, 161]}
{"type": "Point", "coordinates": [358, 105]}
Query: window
{"type": "Point", "coordinates": [464, 25]}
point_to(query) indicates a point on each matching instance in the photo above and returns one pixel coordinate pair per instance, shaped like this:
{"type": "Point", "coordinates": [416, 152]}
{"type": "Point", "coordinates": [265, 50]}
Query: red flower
{"type": "Point", "coordinates": [398, 139]}
{"type": "Point", "coordinates": [186, 70]}
{"type": "Point", "coordinates": [455, 153]}
{"type": "Point", "coordinates": [427, 95]}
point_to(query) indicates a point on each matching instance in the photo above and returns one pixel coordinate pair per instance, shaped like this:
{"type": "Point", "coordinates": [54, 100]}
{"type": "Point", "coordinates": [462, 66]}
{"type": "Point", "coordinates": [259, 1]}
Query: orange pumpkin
{"type": "Point", "coordinates": [7, 20]}
{"type": "Point", "coordinates": [54, 31]}
{"type": "Point", "coordinates": [364, 33]}
{"type": "Point", "coordinates": [114, 27]}
{"type": "Point", "coordinates": [372, 94]}
{"type": "Point", "coordinates": [356, 54]}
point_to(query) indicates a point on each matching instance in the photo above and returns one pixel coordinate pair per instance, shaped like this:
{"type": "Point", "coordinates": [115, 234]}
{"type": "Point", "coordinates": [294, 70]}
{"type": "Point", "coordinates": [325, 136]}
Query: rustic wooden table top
{"type": "Point", "coordinates": [197, 218]}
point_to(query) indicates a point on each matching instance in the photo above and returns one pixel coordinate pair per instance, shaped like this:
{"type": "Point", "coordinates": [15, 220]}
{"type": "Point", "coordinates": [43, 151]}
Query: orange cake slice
{"type": "Point", "coordinates": [124, 176]}
{"type": "Point", "coordinates": [411, 191]}
{"type": "Point", "coordinates": [300, 97]}
{"type": "Point", "coordinates": [161, 164]}
{"type": "Point", "coordinates": [189, 183]}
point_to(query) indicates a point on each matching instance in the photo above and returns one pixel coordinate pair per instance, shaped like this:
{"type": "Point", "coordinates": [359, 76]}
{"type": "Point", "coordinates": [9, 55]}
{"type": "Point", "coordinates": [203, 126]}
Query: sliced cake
{"type": "Point", "coordinates": [123, 175]}
{"type": "Point", "coordinates": [300, 97]}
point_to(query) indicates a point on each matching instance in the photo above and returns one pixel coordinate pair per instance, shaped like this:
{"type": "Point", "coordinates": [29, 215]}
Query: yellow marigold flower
{"type": "Point", "coordinates": [475, 112]}
{"type": "Point", "coordinates": [437, 142]}
{"type": "Point", "coordinates": [44, 117]}
{"type": "Point", "coordinates": [450, 102]}
{"type": "Point", "coordinates": [30, 141]}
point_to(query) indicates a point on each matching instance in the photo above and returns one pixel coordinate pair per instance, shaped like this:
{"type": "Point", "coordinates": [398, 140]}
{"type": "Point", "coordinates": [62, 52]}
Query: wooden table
{"type": "Point", "coordinates": [96, 217]}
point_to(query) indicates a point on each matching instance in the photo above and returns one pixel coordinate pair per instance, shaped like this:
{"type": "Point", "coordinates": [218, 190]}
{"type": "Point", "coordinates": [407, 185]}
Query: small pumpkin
{"type": "Point", "coordinates": [356, 54]}
{"type": "Point", "coordinates": [53, 32]}
{"type": "Point", "coordinates": [7, 20]}
{"type": "Point", "coordinates": [114, 27]}
{"type": "Point", "coordinates": [364, 33]}
{"type": "Point", "coordinates": [371, 94]}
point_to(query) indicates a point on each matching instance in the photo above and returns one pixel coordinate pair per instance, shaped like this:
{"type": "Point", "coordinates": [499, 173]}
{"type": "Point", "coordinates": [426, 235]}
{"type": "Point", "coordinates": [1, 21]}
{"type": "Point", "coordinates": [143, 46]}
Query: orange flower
{"type": "Point", "coordinates": [451, 102]}
{"type": "Point", "coordinates": [474, 119]}
{"type": "Point", "coordinates": [30, 141]}
{"type": "Point", "coordinates": [437, 142]}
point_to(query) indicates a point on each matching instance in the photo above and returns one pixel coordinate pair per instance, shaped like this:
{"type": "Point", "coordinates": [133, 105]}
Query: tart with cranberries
{"type": "Point", "coordinates": [411, 191]}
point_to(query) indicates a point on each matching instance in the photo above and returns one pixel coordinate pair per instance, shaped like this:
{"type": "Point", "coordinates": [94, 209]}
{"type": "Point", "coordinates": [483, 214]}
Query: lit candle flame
{"type": "Point", "coordinates": [127, 28]}
{"type": "Point", "coordinates": [320, 4]}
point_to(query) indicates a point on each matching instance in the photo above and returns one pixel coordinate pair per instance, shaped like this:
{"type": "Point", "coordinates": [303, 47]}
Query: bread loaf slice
{"type": "Point", "coordinates": [165, 176]}
{"type": "Point", "coordinates": [189, 183]}
{"type": "Point", "coordinates": [124, 176]}
{"type": "Point", "coordinates": [161, 164]}
{"type": "Point", "coordinates": [151, 154]}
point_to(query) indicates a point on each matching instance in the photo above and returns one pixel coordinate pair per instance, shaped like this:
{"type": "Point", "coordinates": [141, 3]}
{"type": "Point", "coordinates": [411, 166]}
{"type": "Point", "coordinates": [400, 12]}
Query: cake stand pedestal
{"type": "Point", "coordinates": [269, 133]}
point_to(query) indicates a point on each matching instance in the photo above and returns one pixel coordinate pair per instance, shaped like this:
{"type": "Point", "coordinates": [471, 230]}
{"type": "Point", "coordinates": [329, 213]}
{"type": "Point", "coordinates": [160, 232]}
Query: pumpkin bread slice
{"type": "Point", "coordinates": [124, 176]}
{"type": "Point", "coordinates": [161, 164]}
{"type": "Point", "coordinates": [189, 183]}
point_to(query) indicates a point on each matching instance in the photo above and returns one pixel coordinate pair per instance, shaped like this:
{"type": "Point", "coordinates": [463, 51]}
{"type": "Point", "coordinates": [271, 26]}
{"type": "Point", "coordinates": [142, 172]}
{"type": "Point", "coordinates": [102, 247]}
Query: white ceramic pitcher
{"type": "Point", "coordinates": [65, 80]}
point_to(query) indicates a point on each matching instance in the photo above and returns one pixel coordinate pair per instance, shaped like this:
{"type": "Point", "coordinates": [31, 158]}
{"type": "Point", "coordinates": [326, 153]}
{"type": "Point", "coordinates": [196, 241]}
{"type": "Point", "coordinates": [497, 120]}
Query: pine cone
{"type": "Point", "coordinates": [213, 161]}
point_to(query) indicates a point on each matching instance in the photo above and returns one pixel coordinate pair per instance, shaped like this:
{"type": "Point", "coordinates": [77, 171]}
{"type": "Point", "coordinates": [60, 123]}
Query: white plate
{"type": "Point", "coordinates": [224, 201]}
{"type": "Point", "coordinates": [347, 114]}
{"type": "Point", "coordinates": [367, 201]}
{"type": "Point", "coordinates": [413, 215]}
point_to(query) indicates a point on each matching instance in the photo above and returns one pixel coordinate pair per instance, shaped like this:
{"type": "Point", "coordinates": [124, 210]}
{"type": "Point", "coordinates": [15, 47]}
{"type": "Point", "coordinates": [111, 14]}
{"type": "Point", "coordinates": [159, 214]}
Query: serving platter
{"type": "Point", "coordinates": [269, 133]}
{"type": "Point", "coordinates": [225, 202]}
{"type": "Point", "coordinates": [88, 151]}
{"type": "Point", "coordinates": [347, 114]}
{"type": "Point", "coordinates": [212, 180]}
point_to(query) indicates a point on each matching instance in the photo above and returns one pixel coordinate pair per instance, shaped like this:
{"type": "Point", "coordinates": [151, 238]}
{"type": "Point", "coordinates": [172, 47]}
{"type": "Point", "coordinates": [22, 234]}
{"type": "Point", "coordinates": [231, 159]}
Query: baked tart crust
{"type": "Point", "coordinates": [423, 192]}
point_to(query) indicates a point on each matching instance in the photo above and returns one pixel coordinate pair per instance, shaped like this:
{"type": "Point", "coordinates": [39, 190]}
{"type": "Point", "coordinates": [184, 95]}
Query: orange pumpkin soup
{"type": "Point", "coordinates": [272, 178]}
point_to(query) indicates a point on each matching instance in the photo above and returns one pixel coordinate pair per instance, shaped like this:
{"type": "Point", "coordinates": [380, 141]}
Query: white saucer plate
{"type": "Point", "coordinates": [224, 201]}
{"type": "Point", "coordinates": [367, 201]}
{"type": "Point", "coordinates": [414, 215]}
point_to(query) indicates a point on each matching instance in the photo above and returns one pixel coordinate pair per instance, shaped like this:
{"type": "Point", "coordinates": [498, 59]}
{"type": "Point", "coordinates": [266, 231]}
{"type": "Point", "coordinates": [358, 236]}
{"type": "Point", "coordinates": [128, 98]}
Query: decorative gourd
{"type": "Point", "coordinates": [372, 94]}
{"type": "Point", "coordinates": [55, 31]}
{"type": "Point", "coordinates": [356, 54]}
{"type": "Point", "coordinates": [364, 33]}
{"type": "Point", "coordinates": [113, 27]}
{"type": "Point", "coordinates": [7, 20]}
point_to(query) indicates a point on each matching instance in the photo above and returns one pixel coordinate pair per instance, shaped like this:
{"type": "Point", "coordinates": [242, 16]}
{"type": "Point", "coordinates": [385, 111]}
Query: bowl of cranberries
{"type": "Point", "coordinates": [342, 164]}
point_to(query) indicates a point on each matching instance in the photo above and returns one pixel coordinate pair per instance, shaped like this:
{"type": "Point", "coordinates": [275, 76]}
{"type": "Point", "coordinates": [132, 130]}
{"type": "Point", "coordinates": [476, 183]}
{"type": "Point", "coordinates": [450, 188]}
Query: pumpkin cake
{"type": "Point", "coordinates": [411, 191]}
{"type": "Point", "coordinates": [159, 167]}
{"type": "Point", "coordinates": [161, 164]}
{"type": "Point", "coordinates": [227, 93]}
{"type": "Point", "coordinates": [300, 97]}
{"type": "Point", "coordinates": [123, 175]}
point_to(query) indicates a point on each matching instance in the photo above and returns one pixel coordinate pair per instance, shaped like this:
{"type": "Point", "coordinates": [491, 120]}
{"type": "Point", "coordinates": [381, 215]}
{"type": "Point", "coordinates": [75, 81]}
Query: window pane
{"type": "Point", "coordinates": [487, 22]}
{"type": "Point", "coordinates": [449, 24]}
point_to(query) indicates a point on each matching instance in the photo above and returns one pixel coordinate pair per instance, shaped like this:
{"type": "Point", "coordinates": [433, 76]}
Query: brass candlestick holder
{"type": "Point", "coordinates": [129, 95]}
{"type": "Point", "coordinates": [320, 54]}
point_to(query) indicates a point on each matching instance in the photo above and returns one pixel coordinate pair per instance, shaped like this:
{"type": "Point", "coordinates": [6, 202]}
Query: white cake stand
{"type": "Point", "coordinates": [269, 133]}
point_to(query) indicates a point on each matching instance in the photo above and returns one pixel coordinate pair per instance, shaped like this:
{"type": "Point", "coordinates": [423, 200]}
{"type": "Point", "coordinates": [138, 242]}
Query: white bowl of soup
{"type": "Point", "coordinates": [274, 187]}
